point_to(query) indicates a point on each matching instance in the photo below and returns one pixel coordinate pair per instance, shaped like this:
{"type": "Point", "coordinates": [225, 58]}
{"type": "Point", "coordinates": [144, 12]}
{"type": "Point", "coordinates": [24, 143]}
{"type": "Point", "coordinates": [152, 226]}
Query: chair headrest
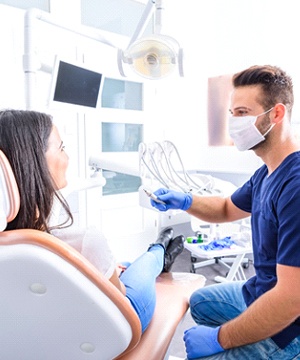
{"type": "Point", "coordinates": [9, 193]}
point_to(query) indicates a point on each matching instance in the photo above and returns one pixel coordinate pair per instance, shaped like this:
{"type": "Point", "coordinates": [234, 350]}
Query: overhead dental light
{"type": "Point", "coordinates": [155, 56]}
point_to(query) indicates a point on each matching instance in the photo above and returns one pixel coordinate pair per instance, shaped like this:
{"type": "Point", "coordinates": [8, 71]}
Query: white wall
{"type": "Point", "coordinates": [11, 71]}
{"type": "Point", "coordinates": [222, 37]}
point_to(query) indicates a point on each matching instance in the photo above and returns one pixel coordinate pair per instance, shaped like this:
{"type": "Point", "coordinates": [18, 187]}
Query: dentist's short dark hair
{"type": "Point", "coordinates": [276, 85]}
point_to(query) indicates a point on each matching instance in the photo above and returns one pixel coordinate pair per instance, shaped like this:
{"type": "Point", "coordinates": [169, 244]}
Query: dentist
{"type": "Point", "coordinates": [258, 318]}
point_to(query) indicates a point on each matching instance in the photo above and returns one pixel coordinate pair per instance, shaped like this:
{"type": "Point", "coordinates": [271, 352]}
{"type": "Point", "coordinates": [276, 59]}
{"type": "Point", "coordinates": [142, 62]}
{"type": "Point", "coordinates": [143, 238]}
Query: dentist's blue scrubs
{"type": "Point", "coordinates": [274, 204]}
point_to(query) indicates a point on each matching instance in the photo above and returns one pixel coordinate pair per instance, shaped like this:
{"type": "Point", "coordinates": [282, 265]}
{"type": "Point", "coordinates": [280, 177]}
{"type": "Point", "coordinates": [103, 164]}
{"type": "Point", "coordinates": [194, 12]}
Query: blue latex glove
{"type": "Point", "coordinates": [172, 199]}
{"type": "Point", "coordinates": [201, 341]}
{"type": "Point", "coordinates": [220, 244]}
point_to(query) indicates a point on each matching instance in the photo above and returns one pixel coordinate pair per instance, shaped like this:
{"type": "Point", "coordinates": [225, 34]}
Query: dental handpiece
{"type": "Point", "coordinates": [154, 197]}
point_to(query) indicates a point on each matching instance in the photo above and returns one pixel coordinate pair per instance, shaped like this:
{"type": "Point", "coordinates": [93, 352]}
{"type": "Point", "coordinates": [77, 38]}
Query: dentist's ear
{"type": "Point", "coordinates": [279, 112]}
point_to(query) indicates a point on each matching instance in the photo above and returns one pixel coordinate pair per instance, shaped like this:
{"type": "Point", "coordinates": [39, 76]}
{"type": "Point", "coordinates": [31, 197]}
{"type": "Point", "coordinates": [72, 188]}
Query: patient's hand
{"type": "Point", "coordinates": [120, 268]}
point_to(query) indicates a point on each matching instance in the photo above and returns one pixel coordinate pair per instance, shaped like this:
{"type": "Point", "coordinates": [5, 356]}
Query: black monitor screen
{"type": "Point", "coordinates": [77, 85]}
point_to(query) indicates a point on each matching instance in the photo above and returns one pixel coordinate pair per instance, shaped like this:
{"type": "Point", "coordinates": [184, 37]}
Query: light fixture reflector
{"type": "Point", "coordinates": [153, 57]}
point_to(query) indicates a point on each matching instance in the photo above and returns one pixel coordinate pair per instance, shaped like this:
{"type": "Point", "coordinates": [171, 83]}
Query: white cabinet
{"type": "Point", "coordinates": [113, 134]}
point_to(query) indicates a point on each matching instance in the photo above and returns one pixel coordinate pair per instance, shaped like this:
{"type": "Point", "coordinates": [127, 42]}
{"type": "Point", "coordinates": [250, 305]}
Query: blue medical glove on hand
{"type": "Point", "coordinates": [172, 199]}
{"type": "Point", "coordinates": [201, 341]}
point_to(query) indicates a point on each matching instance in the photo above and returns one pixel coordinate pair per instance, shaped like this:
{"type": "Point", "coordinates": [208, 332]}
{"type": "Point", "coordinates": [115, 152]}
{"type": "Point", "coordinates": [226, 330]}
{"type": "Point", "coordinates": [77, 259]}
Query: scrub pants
{"type": "Point", "coordinates": [216, 304]}
{"type": "Point", "coordinates": [139, 279]}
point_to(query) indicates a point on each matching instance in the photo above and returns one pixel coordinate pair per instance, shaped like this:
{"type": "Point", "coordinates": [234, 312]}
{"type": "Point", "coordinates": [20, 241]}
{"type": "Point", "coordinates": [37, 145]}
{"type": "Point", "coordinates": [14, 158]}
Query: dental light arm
{"type": "Point", "coordinates": [149, 9]}
{"type": "Point", "coordinates": [155, 56]}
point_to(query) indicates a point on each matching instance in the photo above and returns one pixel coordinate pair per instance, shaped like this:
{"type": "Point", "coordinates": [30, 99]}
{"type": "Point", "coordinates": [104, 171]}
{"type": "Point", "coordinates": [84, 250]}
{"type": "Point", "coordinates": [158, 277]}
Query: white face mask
{"type": "Point", "coordinates": [244, 133]}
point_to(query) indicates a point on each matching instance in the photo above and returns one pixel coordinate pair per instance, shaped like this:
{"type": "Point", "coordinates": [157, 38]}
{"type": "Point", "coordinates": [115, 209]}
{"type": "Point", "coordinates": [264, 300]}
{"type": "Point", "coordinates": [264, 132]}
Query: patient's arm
{"type": "Point", "coordinates": [116, 281]}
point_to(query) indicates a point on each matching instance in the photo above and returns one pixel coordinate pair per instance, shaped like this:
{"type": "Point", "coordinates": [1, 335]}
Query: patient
{"type": "Point", "coordinates": [33, 146]}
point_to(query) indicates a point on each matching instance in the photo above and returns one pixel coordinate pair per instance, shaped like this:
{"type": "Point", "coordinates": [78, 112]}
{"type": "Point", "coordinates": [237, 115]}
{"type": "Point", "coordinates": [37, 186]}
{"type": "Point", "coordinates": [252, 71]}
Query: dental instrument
{"type": "Point", "coordinates": [153, 197]}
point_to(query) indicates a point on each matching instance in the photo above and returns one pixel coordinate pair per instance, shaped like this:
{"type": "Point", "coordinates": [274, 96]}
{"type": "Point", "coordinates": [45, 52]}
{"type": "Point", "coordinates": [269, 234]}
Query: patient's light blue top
{"type": "Point", "coordinates": [274, 203]}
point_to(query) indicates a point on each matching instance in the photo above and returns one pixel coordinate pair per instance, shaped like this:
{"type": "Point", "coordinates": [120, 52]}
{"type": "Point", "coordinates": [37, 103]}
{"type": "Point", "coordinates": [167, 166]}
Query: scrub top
{"type": "Point", "coordinates": [274, 203]}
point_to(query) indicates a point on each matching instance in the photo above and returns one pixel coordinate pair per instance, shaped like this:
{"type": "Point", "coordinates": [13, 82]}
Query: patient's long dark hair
{"type": "Point", "coordinates": [24, 139]}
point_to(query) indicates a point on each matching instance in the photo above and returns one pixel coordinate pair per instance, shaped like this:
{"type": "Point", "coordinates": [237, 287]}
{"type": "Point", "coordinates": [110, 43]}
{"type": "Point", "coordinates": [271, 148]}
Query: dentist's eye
{"type": "Point", "coordinates": [242, 112]}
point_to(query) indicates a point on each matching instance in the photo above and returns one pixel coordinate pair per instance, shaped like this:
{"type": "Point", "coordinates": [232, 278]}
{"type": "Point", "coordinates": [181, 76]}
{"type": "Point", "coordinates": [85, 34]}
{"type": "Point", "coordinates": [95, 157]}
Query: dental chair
{"type": "Point", "coordinates": [55, 305]}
